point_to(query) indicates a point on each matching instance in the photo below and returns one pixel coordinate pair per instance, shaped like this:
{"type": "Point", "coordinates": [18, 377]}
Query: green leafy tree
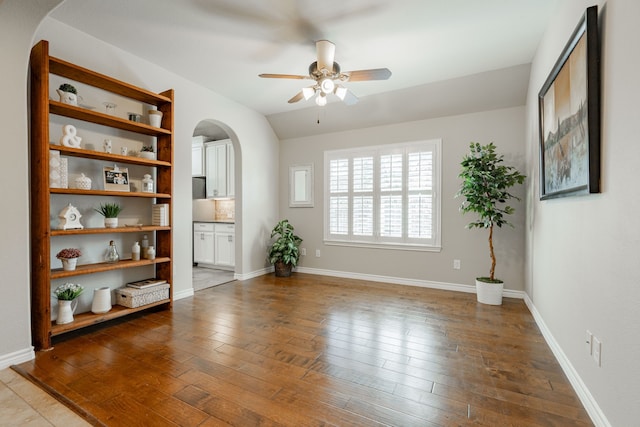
{"type": "Point", "coordinates": [486, 183]}
{"type": "Point", "coordinates": [285, 247]}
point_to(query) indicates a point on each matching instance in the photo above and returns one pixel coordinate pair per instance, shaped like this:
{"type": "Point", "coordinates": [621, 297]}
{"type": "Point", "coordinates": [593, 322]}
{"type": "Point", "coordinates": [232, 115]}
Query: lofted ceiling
{"type": "Point", "coordinates": [434, 48]}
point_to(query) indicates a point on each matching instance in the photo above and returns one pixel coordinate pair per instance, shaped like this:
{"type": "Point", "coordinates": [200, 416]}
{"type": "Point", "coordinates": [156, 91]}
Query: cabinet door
{"type": "Point", "coordinates": [203, 247]}
{"type": "Point", "coordinates": [225, 249]}
{"type": "Point", "coordinates": [231, 183]}
{"type": "Point", "coordinates": [197, 159]}
{"type": "Point", "coordinates": [216, 170]}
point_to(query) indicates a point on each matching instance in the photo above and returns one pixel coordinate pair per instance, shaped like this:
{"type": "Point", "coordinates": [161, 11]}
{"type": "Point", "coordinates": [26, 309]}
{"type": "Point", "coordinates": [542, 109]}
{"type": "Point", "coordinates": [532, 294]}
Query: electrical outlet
{"type": "Point", "coordinates": [597, 351]}
{"type": "Point", "coordinates": [589, 341]}
{"type": "Point", "coordinates": [317, 253]}
{"type": "Point", "coordinates": [456, 264]}
{"type": "Point", "coordinates": [303, 251]}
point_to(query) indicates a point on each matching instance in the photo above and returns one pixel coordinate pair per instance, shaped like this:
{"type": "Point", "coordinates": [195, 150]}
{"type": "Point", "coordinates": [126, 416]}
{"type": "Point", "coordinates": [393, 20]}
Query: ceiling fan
{"type": "Point", "coordinates": [328, 77]}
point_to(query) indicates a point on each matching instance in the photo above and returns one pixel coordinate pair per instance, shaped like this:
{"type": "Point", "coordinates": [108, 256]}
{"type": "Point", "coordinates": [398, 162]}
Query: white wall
{"type": "Point", "coordinates": [255, 145]}
{"type": "Point", "coordinates": [582, 252]}
{"type": "Point", "coordinates": [505, 127]}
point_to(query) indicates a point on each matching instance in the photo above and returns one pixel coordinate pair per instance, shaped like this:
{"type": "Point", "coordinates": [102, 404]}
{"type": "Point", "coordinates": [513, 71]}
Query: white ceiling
{"type": "Point", "coordinates": [224, 44]}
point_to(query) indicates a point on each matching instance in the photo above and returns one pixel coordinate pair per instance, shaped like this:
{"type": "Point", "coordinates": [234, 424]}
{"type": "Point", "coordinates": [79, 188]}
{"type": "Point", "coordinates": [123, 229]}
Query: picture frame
{"type": "Point", "coordinates": [116, 178]}
{"type": "Point", "coordinates": [569, 116]}
{"type": "Point", "coordinates": [301, 186]}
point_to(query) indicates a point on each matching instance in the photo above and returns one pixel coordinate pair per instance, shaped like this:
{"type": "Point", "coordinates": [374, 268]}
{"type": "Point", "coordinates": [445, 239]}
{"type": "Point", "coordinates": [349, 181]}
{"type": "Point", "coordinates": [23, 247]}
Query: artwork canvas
{"type": "Point", "coordinates": [569, 104]}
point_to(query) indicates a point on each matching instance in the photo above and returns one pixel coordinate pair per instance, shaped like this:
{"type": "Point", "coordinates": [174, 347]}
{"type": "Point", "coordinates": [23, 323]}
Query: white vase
{"type": "Point", "coordinates": [69, 264]}
{"type": "Point", "coordinates": [155, 118]}
{"type": "Point", "coordinates": [101, 300]}
{"type": "Point", "coordinates": [111, 222]}
{"type": "Point", "coordinates": [65, 311]}
{"type": "Point", "coordinates": [489, 293]}
{"type": "Point", "coordinates": [67, 97]}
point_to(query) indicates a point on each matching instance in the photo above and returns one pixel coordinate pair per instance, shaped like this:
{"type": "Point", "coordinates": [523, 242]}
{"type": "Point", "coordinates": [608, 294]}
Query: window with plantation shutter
{"type": "Point", "coordinates": [384, 196]}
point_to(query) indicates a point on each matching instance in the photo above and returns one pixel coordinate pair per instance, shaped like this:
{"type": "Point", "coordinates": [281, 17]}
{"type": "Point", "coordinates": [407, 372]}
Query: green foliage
{"type": "Point", "coordinates": [485, 187]}
{"type": "Point", "coordinates": [285, 247]}
{"type": "Point", "coordinates": [68, 291]}
{"type": "Point", "coordinates": [109, 210]}
{"type": "Point", "coordinates": [148, 148]}
{"type": "Point", "coordinates": [66, 87]}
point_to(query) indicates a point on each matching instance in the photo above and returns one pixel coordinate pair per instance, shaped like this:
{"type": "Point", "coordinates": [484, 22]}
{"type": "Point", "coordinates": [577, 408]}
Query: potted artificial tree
{"type": "Point", "coordinates": [110, 212]}
{"type": "Point", "coordinates": [486, 183]}
{"type": "Point", "coordinates": [284, 252]}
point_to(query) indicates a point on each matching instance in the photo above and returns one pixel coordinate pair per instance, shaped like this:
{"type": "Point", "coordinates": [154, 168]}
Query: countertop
{"type": "Point", "coordinates": [215, 220]}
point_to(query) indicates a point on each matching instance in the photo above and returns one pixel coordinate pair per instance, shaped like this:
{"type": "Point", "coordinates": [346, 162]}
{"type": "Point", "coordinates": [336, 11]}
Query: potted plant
{"type": "Point", "coordinates": [284, 253]}
{"type": "Point", "coordinates": [147, 152]}
{"type": "Point", "coordinates": [486, 183]}
{"type": "Point", "coordinates": [66, 295]}
{"type": "Point", "coordinates": [69, 258]}
{"type": "Point", "coordinates": [68, 94]}
{"type": "Point", "coordinates": [110, 212]}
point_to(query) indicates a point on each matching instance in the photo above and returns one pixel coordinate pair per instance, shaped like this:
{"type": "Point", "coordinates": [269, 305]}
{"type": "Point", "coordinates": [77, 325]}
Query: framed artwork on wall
{"type": "Point", "coordinates": [569, 116]}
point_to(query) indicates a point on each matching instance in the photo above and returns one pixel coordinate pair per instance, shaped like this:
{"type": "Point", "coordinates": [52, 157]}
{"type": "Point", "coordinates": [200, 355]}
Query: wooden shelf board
{"type": "Point", "coordinates": [99, 118]}
{"type": "Point", "coordinates": [59, 273]}
{"type": "Point", "coordinates": [75, 72]}
{"type": "Point", "coordinates": [88, 319]}
{"type": "Point", "coordinates": [102, 230]}
{"type": "Point", "coordinates": [108, 193]}
{"type": "Point", "coordinates": [99, 155]}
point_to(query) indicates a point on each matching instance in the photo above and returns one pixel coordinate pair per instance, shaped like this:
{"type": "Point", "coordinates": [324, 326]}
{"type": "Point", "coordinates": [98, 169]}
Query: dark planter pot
{"type": "Point", "coordinates": [282, 269]}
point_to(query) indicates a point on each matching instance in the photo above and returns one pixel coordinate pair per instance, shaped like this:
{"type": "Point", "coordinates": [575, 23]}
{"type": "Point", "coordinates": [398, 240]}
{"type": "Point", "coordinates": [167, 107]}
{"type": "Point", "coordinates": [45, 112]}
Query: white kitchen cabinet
{"type": "Point", "coordinates": [219, 170]}
{"type": "Point", "coordinates": [197, 157]}
{"type": "Point", "coordinates": [225, 246]}
{"type": "Point", "coordinates": [203, 243]}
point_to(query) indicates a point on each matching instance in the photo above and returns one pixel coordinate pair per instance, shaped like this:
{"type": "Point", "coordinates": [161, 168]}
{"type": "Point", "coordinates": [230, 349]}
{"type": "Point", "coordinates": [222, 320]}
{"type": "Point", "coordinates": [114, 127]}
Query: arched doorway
{"type": "Point", "coordinates": [214, 205]}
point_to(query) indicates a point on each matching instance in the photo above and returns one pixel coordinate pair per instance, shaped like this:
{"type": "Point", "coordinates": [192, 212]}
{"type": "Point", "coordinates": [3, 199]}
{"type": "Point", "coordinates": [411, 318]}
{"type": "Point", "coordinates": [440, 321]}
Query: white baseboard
{"type": "Point", "coordinates": [252, 274]}
{"type": "Point", "coordinates": [183, 294]}
{"type": "Point", "coordinates": [17, 357]}
{"type": "Point", "coordinates": [403, 281]}
{"type": "Point", "coordinates": [585, 396]}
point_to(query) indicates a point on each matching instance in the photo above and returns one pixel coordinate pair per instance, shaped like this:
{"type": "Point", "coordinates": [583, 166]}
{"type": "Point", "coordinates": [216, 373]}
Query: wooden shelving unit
{"type": "Point", "coordinates": [41, 66]}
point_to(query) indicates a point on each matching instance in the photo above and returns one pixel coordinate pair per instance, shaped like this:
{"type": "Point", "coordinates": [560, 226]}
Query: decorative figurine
{"type": "Point", "coordinates": [69, 137]}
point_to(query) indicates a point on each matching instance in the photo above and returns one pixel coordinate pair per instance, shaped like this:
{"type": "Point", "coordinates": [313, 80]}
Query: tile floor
{"type": "Point", "coordinates": [24, 404]}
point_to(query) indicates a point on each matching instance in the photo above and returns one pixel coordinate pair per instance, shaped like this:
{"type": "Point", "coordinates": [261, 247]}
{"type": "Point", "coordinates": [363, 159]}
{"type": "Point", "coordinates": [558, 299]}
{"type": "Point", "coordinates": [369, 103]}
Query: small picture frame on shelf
{"type": "Point", "coordinates": [116, 179]}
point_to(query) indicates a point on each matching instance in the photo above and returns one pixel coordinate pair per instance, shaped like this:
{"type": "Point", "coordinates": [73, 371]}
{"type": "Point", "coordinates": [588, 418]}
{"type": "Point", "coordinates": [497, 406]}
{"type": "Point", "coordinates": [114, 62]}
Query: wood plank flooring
{"type": "Point", "coordinates": [314, 351]}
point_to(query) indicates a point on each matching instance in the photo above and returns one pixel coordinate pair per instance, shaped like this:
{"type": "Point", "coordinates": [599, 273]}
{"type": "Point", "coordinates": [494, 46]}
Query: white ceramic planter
{"type": "Point", "coordinates": [147, 155]}
{"type": "Point", "coordinates": [111, 222]}
{"type": "Point", "coordinates": [101, 300]}
{"type": "Point", "coordinates": [489, 293]}
{"type": "Point", "coordinates": [69, 264]}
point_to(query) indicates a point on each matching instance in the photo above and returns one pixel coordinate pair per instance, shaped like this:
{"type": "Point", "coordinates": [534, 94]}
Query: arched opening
{"type": "Point", "coordinates": [215, 153]}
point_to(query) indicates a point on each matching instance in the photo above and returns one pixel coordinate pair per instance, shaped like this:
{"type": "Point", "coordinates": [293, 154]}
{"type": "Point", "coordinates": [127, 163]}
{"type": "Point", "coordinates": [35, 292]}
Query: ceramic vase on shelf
{"type": "Point", "coordinates": [69, 264]}
{"type": "Point", "coordinates": [101, 300]}
{"type": "Point", "coordinates": [155, 118]}
{"type": "Point", "coordinates": [66, 309]}
{"type": "Point", "coordinates": [111, 222]}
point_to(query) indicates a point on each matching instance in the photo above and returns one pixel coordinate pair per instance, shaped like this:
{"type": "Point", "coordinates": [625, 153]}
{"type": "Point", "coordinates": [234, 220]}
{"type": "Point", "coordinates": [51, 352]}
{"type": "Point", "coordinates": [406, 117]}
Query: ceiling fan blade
{"type": "Point", "coordinates": [297, 97]}
{"type": "Point", "coordinates": [326, 54]}
{"type": "Point", "coordinates": [282, 76]}
{"type": "Point", "coordinates": [364, 75]}
{"type": "Point", "coordinates": [346, 95]}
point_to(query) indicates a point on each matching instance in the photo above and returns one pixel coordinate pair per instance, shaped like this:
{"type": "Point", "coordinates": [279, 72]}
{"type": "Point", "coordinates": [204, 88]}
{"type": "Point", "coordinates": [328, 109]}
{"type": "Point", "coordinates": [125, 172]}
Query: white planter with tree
{"type": "Point", "coordinates": [486, 183]}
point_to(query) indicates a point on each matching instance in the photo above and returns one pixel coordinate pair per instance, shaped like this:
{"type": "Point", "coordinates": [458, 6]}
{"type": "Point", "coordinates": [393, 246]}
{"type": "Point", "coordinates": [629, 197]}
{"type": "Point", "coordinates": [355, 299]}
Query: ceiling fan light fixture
{"type": "Point", "coordinates": [341, 92]}
{"type": "Point", "coordinates": [308, 92]}
{"type": "Point", "coordinates": [321, 100]}
{"type": "Point", "coordinates": [327, 85]}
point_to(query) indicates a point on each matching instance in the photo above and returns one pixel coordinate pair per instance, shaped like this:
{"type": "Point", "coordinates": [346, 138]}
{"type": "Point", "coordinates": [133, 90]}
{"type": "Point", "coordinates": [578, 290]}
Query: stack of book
{"type": "Point", "coordinates": [160, 214]}
{"type": "Point", "coordinates": [146, 283]}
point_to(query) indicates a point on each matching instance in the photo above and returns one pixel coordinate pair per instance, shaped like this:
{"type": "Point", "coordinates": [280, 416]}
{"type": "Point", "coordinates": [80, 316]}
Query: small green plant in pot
{"type": "Point", "coordinates": [147, 152]}
{"type": "Point", "coordinates": [68, 94]}
{"type": "Point", "coordinates": [284, 251]}
{"type": "Point", "coordinates": [486, 184]}
{"type": "Point", "coordinates": [110, 212]}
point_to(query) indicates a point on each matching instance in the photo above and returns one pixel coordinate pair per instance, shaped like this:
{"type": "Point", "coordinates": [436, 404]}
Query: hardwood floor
{"type": "Point", "coordinates": [312, 350]}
